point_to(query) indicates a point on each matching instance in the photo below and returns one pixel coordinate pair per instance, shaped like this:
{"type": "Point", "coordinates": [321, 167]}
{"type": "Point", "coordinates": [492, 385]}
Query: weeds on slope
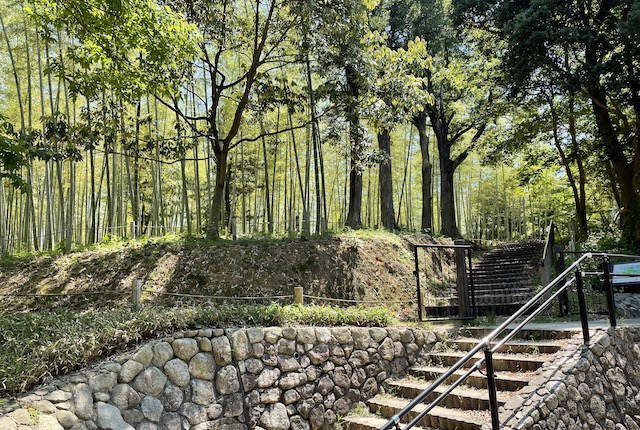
{"type": "Point", "coordinates": [36, 346]}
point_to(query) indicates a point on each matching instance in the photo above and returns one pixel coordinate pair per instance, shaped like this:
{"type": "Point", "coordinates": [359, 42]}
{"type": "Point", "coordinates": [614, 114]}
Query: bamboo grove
{"type": "Point", "coordinates": [257, 117]}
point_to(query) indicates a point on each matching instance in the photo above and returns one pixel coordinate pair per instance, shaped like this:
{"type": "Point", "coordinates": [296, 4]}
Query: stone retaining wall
{"type": "Point", "coordinates": [233, 379]}
{"type": "Point", "coordinates": [595, 390]}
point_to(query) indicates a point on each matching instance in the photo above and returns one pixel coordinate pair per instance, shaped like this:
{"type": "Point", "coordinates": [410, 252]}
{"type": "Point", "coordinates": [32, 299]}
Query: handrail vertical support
{"type": "Point", "coordinates": [417, 272]}
{"type": "Point", "coordinates": [462, 279]}
{"type": "Point", "coordinates": [563, 299]}
{"type": "Point", "coordinates": [608, 288]}
{"type": "Point", "coordinates": [474, 308]}
{"type": "Point", "coordinates": [491, 385]}
{"type": "Point", "coordinates": [583, 307]}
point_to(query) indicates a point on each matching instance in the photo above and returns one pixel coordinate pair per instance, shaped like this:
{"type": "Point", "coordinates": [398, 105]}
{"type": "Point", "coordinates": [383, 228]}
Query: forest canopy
{"type": "Point", "coordinates": [475, 119]}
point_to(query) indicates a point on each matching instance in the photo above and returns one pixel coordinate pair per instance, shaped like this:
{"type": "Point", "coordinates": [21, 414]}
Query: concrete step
{"type": "Point", "coordinates": [519, 347]}
{"type": "Point", "coordinates": [511, 255]}
{"type": "Point", "coordinates": [496, 276]}
{"type": "Point", "coordinates": [439, 417]}
{"type": "Point", "coordinates": [503, 287]}
{"type": "Point", "coordinates": [505, 381]}
{"type": "Point", "coordinates": [503, 262]}
{"type": "Point", "coordinates": [501, 362]}
{"type": "Point", "coordinates": [526, 334]}
{"type": "Point", "coordinates": [463, 397]}
{"type": "Point", "coordinates": [368, 422]}
{"type": "Point", "coordinates": [446, 311]}
{"type": "Point", "coordinates": [496, 299]}
{"type": "Point", "coordinates": [505, 296]}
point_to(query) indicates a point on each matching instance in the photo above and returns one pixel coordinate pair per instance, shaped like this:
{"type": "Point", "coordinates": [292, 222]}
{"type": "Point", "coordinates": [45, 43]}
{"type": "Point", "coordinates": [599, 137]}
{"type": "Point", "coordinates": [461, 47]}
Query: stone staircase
{"type": "Point", "coordinates": [507, 276]}
{"type": "Point", "coordinates": [467, 407]}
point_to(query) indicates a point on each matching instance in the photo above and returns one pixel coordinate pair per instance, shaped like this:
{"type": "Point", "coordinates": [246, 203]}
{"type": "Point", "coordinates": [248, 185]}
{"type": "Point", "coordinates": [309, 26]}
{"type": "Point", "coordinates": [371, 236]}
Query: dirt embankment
{"type": "Point", "coordinates": [349, 266]}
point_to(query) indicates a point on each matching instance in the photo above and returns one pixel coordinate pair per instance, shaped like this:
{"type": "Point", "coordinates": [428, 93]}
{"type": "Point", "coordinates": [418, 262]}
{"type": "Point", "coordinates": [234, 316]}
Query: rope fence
{"type": "Point", "coordinates": [137, 290]}
{"type": "Point", "coordinates": [197, 296]}
{"type": "Point", "coordinates": [331, 299]}
{"type": "Point", "coordinates": [86, 293]}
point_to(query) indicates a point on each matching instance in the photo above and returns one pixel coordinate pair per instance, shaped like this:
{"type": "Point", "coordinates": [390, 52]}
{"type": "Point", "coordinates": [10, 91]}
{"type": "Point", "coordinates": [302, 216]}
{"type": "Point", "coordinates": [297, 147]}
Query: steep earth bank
{"type": "Point", "coordinates": [363, 266]}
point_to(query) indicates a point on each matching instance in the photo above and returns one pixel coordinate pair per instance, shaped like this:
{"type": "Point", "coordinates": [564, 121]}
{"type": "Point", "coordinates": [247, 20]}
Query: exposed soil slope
{"type": "Point", "coordinates": [349, 266]}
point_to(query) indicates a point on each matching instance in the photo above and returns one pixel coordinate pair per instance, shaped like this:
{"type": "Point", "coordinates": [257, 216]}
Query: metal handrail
{"type": "Point", "coordinates": [485, 343]}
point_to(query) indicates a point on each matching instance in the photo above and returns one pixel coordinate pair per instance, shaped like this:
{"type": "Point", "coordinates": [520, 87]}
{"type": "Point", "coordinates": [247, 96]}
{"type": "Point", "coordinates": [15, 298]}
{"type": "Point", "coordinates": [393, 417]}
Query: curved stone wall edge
{"type": "Point", "coordinates": [232, 379]}
{"type": "Point", "coordinates": [597, 388]}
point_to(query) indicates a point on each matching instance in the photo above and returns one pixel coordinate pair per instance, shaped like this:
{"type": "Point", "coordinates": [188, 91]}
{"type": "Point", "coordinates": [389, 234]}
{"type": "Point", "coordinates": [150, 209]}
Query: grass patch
{"type": "Point", "coordinates": [36, 346]}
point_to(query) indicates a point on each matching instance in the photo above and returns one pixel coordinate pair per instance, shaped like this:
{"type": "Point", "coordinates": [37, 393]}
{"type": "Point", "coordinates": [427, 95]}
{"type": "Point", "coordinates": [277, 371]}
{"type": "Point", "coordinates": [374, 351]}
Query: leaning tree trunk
{"type": "Point", "coordinates": [626, 173]}
{"type": "Point", "coordinates": [385, 180]}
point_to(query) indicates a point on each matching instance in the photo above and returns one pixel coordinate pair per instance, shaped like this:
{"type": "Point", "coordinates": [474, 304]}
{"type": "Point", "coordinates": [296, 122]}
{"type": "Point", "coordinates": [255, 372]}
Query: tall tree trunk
{"type": "Point", "coordinates": [48, 213]}
{"type": "Point", "coordinates": [385, 181]}
{"type": "Point", "coordinates": [71, 203]}
{"type": "Point", "coordinates": [185, 195]}
{"type": "Point", "coordinates": [405, 185]}
{"type": "Point", "coordinates": [3, 220]}
{"type": "Point", "coordinates": [354, 214]}
{"type": "Point", "coordinates": [447, 199]}
{"type": "Point", "coordinates": [303, 196]}
{"type": "Point", "coordinates": [218, 191]}
{"type": "Point", "coordinates": [577, 187]}
{"type": "Point", "coordinates": [266, 184]}
{"type": "Point", "coordinates": [316, 170]}
{"type": "Point", "coordinates": [426, 224]}
{"type": "Point", "coordinates": [321, 193]}
{"type": "Point", "coordinates": [93, 212]}
{"type": "Point", "coordinates": [626, 173]}
{"type": "Point", "coordinates": [306, 217]}
{"type": "Point", "coordinates": [449, 225]}
{"type": "Point", "coordinates": [196, 173]}
{"type": "Point", "coordinates": [135, 182]}
{"type": "Point", "coordinates": [30, 204]}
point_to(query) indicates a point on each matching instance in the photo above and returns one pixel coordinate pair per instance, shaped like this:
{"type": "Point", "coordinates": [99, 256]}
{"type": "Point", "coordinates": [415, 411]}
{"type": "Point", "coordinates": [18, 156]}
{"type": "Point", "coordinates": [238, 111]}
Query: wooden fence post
{"type": "Point", "coordinates": [136, 296]}
{"type": "Point", "coordinates": [299, 295]}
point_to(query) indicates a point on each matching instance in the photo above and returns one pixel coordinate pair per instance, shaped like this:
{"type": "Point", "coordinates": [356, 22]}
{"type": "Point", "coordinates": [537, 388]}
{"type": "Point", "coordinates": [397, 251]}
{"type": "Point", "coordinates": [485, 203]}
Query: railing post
{"type": "Point", "coordinates": [491, 386]}
{"type": "Point", "coordinates": [298, 294]}
{"type": "Point", "coordinates": [583, 307]}
{"type": "Point", "coordinates": [563, 299]}
{"type": "Point", "coordinates": [462, 280]}
{"type": "Point", "coordinates": [417, 273]}
{"type": "Point", "coordinates": [608, 289]}
{"type": "Point", "coordinates": [472, 288]}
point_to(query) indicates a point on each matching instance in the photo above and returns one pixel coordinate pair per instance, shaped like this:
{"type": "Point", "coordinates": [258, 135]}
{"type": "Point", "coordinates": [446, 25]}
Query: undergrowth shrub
{"type": "Point", "coordinates": [36, 346]}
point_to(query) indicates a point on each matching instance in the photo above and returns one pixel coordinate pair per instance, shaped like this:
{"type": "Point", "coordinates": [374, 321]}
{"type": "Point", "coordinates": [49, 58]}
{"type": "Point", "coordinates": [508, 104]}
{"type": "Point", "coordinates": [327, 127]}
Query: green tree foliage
{"type": "Point", "coordinates": [130, 118]}
{"type": "Point", "coordinates": [461, 83]}
{"type": "Point", "coordinates": [588, 47]}
{"type": "Point", "coordinates": [336, 32]}
{"type": "Point", "coordinates": [12, 154]}
{"type": "Point", "coordinates": [132, 47]}
{"type": "Point", "coordinates": [394, 96]}
{"type": "Point", "coordinates": [241, 42]}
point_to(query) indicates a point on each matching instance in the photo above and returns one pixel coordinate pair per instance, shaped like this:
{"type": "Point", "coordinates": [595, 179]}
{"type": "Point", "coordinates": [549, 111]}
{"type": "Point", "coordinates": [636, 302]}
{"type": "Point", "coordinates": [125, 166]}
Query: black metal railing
{"type": "Point", "coordinates": [458, 299]}
{"type": "Point", "coordinates": [529, 311]}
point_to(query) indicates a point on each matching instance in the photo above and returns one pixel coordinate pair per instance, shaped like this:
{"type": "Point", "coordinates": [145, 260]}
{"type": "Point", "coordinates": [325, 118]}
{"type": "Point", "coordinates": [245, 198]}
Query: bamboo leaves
{"type": "Point", "coordinates": [132, 47]}
{"type": "Point", "coordinates": [12, 150]}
